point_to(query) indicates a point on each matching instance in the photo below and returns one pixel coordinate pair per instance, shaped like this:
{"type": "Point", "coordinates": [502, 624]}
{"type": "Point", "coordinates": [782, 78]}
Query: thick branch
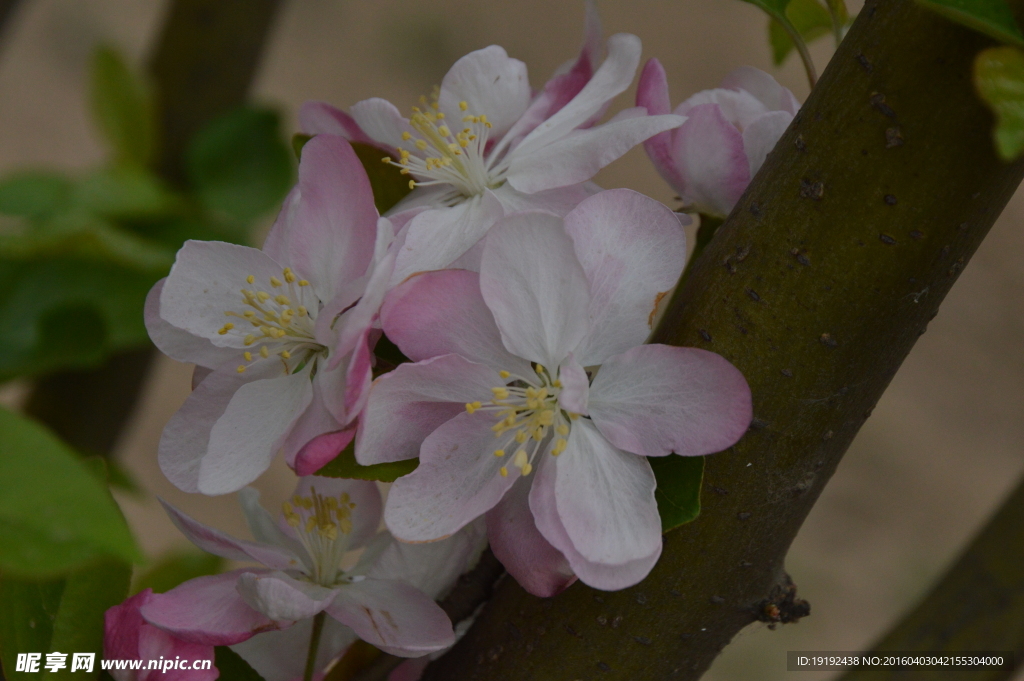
{"type": "Point", "coordinates": [978, 605]}
{"type": "Point", "coordinates": [816, 287]}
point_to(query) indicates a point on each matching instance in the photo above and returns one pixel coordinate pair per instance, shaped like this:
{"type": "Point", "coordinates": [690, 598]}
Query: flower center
{"type": "Point", "coordinates": [322, 524]}
{"type": "Point", "coordinates": [444, 156]}
{"type": "Point", "coordinates": [527, 410]}
{"type": "Point", "coordinates": [282, 323]}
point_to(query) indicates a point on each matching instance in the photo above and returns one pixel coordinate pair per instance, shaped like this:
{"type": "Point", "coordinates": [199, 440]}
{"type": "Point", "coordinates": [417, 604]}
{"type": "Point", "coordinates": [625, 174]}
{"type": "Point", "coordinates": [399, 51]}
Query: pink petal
{"type": "Point", "coordinates": [407, 404]}
{"type": "Point", "coordinates": [443, 312]}
{"type": "Point", "coordinates": [709, 152]}
{"type": "Point", "coordinates": [535, 287]}
{"type": "Point", "coordinates": [737, 106]}
{"type": "Point", "coordinates": [176, 343]}
{"type": "Point", "coordinates": [761, 136]}
{"type": "Point", "coordinates": [491, 83]}
{"type": "Point", "coordinates": [381, 121]}
{"type": "Point", "coordinates": [762, 86]}
{"type": "Point", "coordinates": [457, 480]}
{"type": "Point", "coordinates": [656, 399]}
{"type": "Point", "coordinates": [320, 118]}
{"type": "Point", "coordinates": [317, 420]}
{"type": "Point", "coordinates": [121, 625]}
{"type": "Point", "coordinates": [155, 643]}
{"type": "Point", "coordinates": [209, 611]}
{"type": "Point", "coordinates": [359, 320]}
{"type": "Point", "coordinates": [410, 670]}
{"type": "Point", "coordinates": [281, 655]}
{"type": "Point", "coordinates": [359, 378]}
{"type": "Point", "coordinates": [559, 200]}
{"type": "Point", "coordinates": [393, 616]}
{"type": "Point", "coordinates": [280, 597]}
{"type": "Point", "coordinates": [538, 566]}
{"type": "Point", "coordinates": [575, 386]}
{"type": "Point", "coordinates": [331, 228]}
{"type": "Point", "coordinates": [321, 450]}
{"type": "Point", "coordinates": [363, 493]}
{"type": "Point", "coordinates": [652, 94]}
{"type": "Point", "coordinates": [633, 252]}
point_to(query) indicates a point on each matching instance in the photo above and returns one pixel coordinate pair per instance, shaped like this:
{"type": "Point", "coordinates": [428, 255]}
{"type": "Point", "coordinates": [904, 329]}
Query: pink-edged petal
{"type": "Point", "coordinates": [220, 544]}
{"type": "Point", "coordinates": [436, 238]}
{"type": "Point", "coordinates": [176, 343]}
{"type": "Point", "coordinates": [515, 540]}
{"type": "Point", "coordinates": [597, 575]}
{"type": "Point", "coordinates": [443, 312]}
{"type": "Point", "coordinates": [381, 121]}
{"type": "Point", "coordinates": [762, 86]}
{"type": "Point", "coordinates": [204, 283]}
{"type": "Point", "coordinates": [320, 118]}
{"type": "Point", "coordinates": [280, 597]}
{"type": "Point", "coordinates": [395, 617]}
{"type": "Point", "coordinates": [657, 399]}
{"type": "Point", "coordinates": [652, 94]}
{"type": "Point", "coordinates": [491, 83]}
{"type": "Point", "coordinates": [121, 630]}
{"type": "Point", "coordinates": [761, 136]}
{"type": "Point", "coordinates": [559, 200]}
{"type": "Point", "coordinates": [575, 386]}
{"type": "Point", "coordinates": [633, 250]}
{"type": "Point", "coordinates": [281, 655]}
{"type": "Point", "coordinates": [359, 378]}
{"type": "Point", "coordinates": [321, 450]}
{"type": "Point", "coordinates": [155, 644]}
{"type": "Point", "coordinates": [361, 317]}
{"type": "Point", "coordinates": [363, 493]}
{"type": "Point", "coordinates": [458, 479]}
{"type": "Point", "coordinates": [317, 420]}
{"type": "Point", "coordinates": [409, 403]}
{"type": "Point", "coordinates": [331, 227]}
{"type": "Point", "coordinates": [253, 427]}
{"type": "Point", "coordinates": [535, 287]}
{"type": "Point", "coordinates": [709, 150]}
{"type": "Point", "coordinates": [208, 610]}
{"type": "Point", "coordinates": [577, 157]}
{"type": "Point", "coordinates": [737, 106]}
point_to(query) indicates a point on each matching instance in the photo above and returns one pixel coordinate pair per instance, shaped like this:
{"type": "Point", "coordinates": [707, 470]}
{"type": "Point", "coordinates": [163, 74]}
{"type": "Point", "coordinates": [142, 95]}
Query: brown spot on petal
{"type": "Point", "coordinates": [654, 310]}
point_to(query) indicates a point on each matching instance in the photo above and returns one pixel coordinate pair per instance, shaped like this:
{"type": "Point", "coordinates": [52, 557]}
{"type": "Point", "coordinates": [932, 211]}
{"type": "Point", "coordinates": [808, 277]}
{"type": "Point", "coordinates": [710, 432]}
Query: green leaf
{"type": "Point", "coordinates": [344, 466]}
{"type": "Point", "coordinates": [678, 493]}
{"type": "Point", "coordinates": [124, 193]}
{"type": "Point", "coordinates": [177, 567]}
{"type": "Point", "coordinates": [34, 194]}
{"type": "Point", "coordinates": [27, 612]}
{"type": "Point", "coordinates": [239, 165]}
{"type": "Point", "coordinates": [991, 17]}
{"type": "Point", "coordinates": [232, 667]}
{"type": "Point", "coordinates": [55, 516]}
{"type": "Point", "coordinates": [122, 108]}
{"type": "Point", "coordinates": [808, 17]}
{"type": "Point", "coordinates": [299, 140]}
{"type": "Point", "coordinates": [999, 78]}
{"type": "Point", "coordinates": [78, 627]}
{"type": "Point", "coordinates": [389, 185]}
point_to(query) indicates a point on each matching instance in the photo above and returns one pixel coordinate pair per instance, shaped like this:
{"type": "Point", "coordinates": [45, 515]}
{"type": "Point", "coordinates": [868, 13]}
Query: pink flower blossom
{"type": "Point", "coordinates": [282, 334]}
{"type": "Point", "coordinates": [710, 159]}
{"type": "Point", "coordinates": [537, 365]}
{"type": "Point", "coordinates": [486, 146]}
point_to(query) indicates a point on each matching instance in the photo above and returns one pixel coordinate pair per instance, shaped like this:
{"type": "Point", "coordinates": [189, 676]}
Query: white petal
{"type": "Point", "coordinates": [761, 136]}
{"type": "Point", "coordinates": [176, 343]}
{"type": "Point", "coordinates": [379, 119]}
{"type": "Point", "coordinates": [281, 655]}
{"type": "Point", "coordinates": [491, 83]}
{"type": "Point", "coordinates": [559, 201]}
{"type": "Point", "coordinates": [262, 525]}
{"type": "Point", "coordinates": [280, 597]}
{"type": "Point", "coordinates": [762, 86]}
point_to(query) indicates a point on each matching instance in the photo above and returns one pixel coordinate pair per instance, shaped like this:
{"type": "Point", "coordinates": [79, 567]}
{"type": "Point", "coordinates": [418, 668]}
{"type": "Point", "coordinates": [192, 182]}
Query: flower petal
{"type": "Point", "coordinates": [436, 238]}
{"type": "Point", "coordinates": [535, 287]}
{"type": "Point", "coordinates": [381, 121]}
{"type": "Point", "coordinates": [281, 655]}
{"type": "Point", "coordinates": [657, 399]}
{"type": "Point", "coordinates": [443, 312]}
{"type": "Point", "coordinates": [633, 252]}
{"type": "Point", "coordinates": [321, 450]}
{"type": "Point", "coordinates": [457, 480]}
{"type": "Point", "coordinates": [737, 106]}
{"type": "Point", "coordinates": [559, 200]}
{"type": "Point", "coordinates": [363, 494]}
{"type": "Point", "coordinates": [762, 86]}
{"type": "Point", "coordinates": [176, 343]}
{"type": "Point", "coordinates": [208, 610]}
{"type": "Point", "coordinates": [317, 420]}
{"type": "Point", "coordinates": [280, 597]}
{"type": "Point", "coordinates": [491, 83]}
{"type": "Point", "coordinates": [262, 525]}
{"type": "Point", "coordinates": [320, 118]}
{"type": "Point", "coordinates": [652, 94]}
{"type": "Point", "coordinates": [709, 150]}
{"type": "Point", "coordinates": [761, 136]}
{"type": "Point", "coordinates": [395, 617]}
{"type": "Point", "coordinates": [409, 403]}
{"type": "Point", "coordinates": [537, 565]}
{"type": "Point", "coordinates": [575, 386]}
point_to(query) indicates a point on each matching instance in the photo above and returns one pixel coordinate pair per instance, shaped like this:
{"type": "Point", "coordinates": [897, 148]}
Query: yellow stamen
{"type": "Point", "coordinates": [274, 281]}
{"type": "Point", "coordinates": [250, 279]}
{"type": "Point", "coordinates": [504, 374]}
{"type": "Point", "coordinates": [240, 369]}
{"type": "Point", "coordinates": [503, 471]}
{"type": "Point", "coordinates": [499, 452]}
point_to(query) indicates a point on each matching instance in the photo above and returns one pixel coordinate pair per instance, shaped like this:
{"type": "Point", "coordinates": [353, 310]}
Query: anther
{"type": "Point", "coordinates": [504, 374]}
{"type": "Point", "coordinates": [500, 393]}
{"type": "Point", "coordinates": [263, 296]}
{"type": "Point", "coordinates": [247, 355]}
{"type": "Point", "coordinates": [303, 282]}
{"type": "Point", "coordinates": [241, 369]}
{"type": "Point", "coordinates": [250, 339]}
{"type": "Point", "coordinates": [274, 281]}
{"type": "Point", "coordinates": [499, 452]}
{"type": "Point", "coordinates": [504, 471]}
{"type": "Point", "coordinates": [283, 300]}
{"type": "Point", "coordinates": [251, 279]}
{"type": "Point", "coordinates": [264, 352]}
{"type": "Point", "coordinates": [471, 407]}
{"type": "Point", "coordinates": [463, 106]}
{"type": "Point", "coordinates": [406, 136]}
{"type": "Point", "coordinates": [286, 354]}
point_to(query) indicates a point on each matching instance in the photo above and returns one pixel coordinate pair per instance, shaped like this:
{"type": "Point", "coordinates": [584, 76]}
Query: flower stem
{"type": "Point", "coordinates": [314, 644]}
{"type": "Point", "coordinates": [801, 48]}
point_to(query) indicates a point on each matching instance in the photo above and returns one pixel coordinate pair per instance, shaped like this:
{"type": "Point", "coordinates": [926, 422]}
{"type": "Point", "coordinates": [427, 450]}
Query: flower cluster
{"type": "Point", "coordinates": [522, 295]}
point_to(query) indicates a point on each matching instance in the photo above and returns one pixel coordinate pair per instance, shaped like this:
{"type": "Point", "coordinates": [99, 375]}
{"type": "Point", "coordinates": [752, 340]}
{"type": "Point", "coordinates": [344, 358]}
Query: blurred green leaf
{"type": "Point", "coordinates": [177, 567]}
{"type": "Point", "coordinates": [55, 516]}
{"type": "Point", "coordinates": [678, 492]}
{"type": "Point", "coordinates": [999, 78]}
{"type": "Point", "coordinates": [808, 17]}
{"type": "Point", "coordinates": [389, 185]}
{"type": "Point", "coordinates": [345, 466]}
{"type": "Point", "coordinates": [299, 140]}
{"type": "Point", "coordinates": [239, 165]}
{"type": "Point", "coordinates": [991, 17]}
{"type": "Point", "coordinates": [34, 194]}
{"type": "Point", "coordinates": [232, 667]}
{"type": "Point", "coordinates": [27, 612]}
{"type": "Point", "coordinates": [124, 193]}
{"type": "Point", "coordinates": [122, 108]}
{"type": "Point", "coordinates": [78, 627]}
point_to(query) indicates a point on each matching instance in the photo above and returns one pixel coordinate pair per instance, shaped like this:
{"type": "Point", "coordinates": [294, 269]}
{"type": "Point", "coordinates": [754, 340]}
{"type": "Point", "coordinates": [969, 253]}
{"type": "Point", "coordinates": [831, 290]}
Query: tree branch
{"type": "Point", "coordinates": [816, 287]}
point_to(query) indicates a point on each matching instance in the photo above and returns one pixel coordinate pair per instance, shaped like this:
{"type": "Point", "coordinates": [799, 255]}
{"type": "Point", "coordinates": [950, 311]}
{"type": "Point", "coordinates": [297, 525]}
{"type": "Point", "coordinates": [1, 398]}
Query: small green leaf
{"type": "Point", "coordinates": [78, 627]}
{"type": "Point", "coordinates": [122, 108]}
{"type": "Point", "coordinates": [991, 17]}
{"type": "Point", "coordinates": [678, 492]}
{"type": "Point", "coordinates": [389, 185]}
{"type": "Point", "coordinates": [299, 140]}
{"type": "Point", "coordinates": [55, 516]}
{"type": "Point", "coordinates": [124, 192]}
{"type": "Point", "coordinates": [177, 567]}
{"type": "Point", "coordinates": [27, 612]}
{"type": "Point", "coordinates": [232, 667]}
{"type": "Point", "coordinates": [34, 194]}
{"type": "Point", "coordinates": [345, 466]}
{"type": "Point", "coordinates": [808, 17]}
{"type": "Point", "coordinates": [999, 78]}
{"type": "Point", "coordinates": [239, 164]}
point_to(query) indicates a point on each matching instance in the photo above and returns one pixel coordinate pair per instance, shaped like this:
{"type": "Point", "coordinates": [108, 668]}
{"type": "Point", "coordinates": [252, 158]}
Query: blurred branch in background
{"type": "Point", "coordinates": [7, 10]}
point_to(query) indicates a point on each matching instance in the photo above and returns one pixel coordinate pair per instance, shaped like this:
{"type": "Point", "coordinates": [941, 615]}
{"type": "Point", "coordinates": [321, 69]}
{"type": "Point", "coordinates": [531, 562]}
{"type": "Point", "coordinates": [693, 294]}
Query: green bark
{"type": "Point", "coordinates": [816, 287]}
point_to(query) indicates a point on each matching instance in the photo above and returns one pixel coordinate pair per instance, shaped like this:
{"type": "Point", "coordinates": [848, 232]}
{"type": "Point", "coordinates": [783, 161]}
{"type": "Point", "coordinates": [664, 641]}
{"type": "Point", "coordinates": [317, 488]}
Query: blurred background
{"type": "Point", "coordinates": [940, 451]}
